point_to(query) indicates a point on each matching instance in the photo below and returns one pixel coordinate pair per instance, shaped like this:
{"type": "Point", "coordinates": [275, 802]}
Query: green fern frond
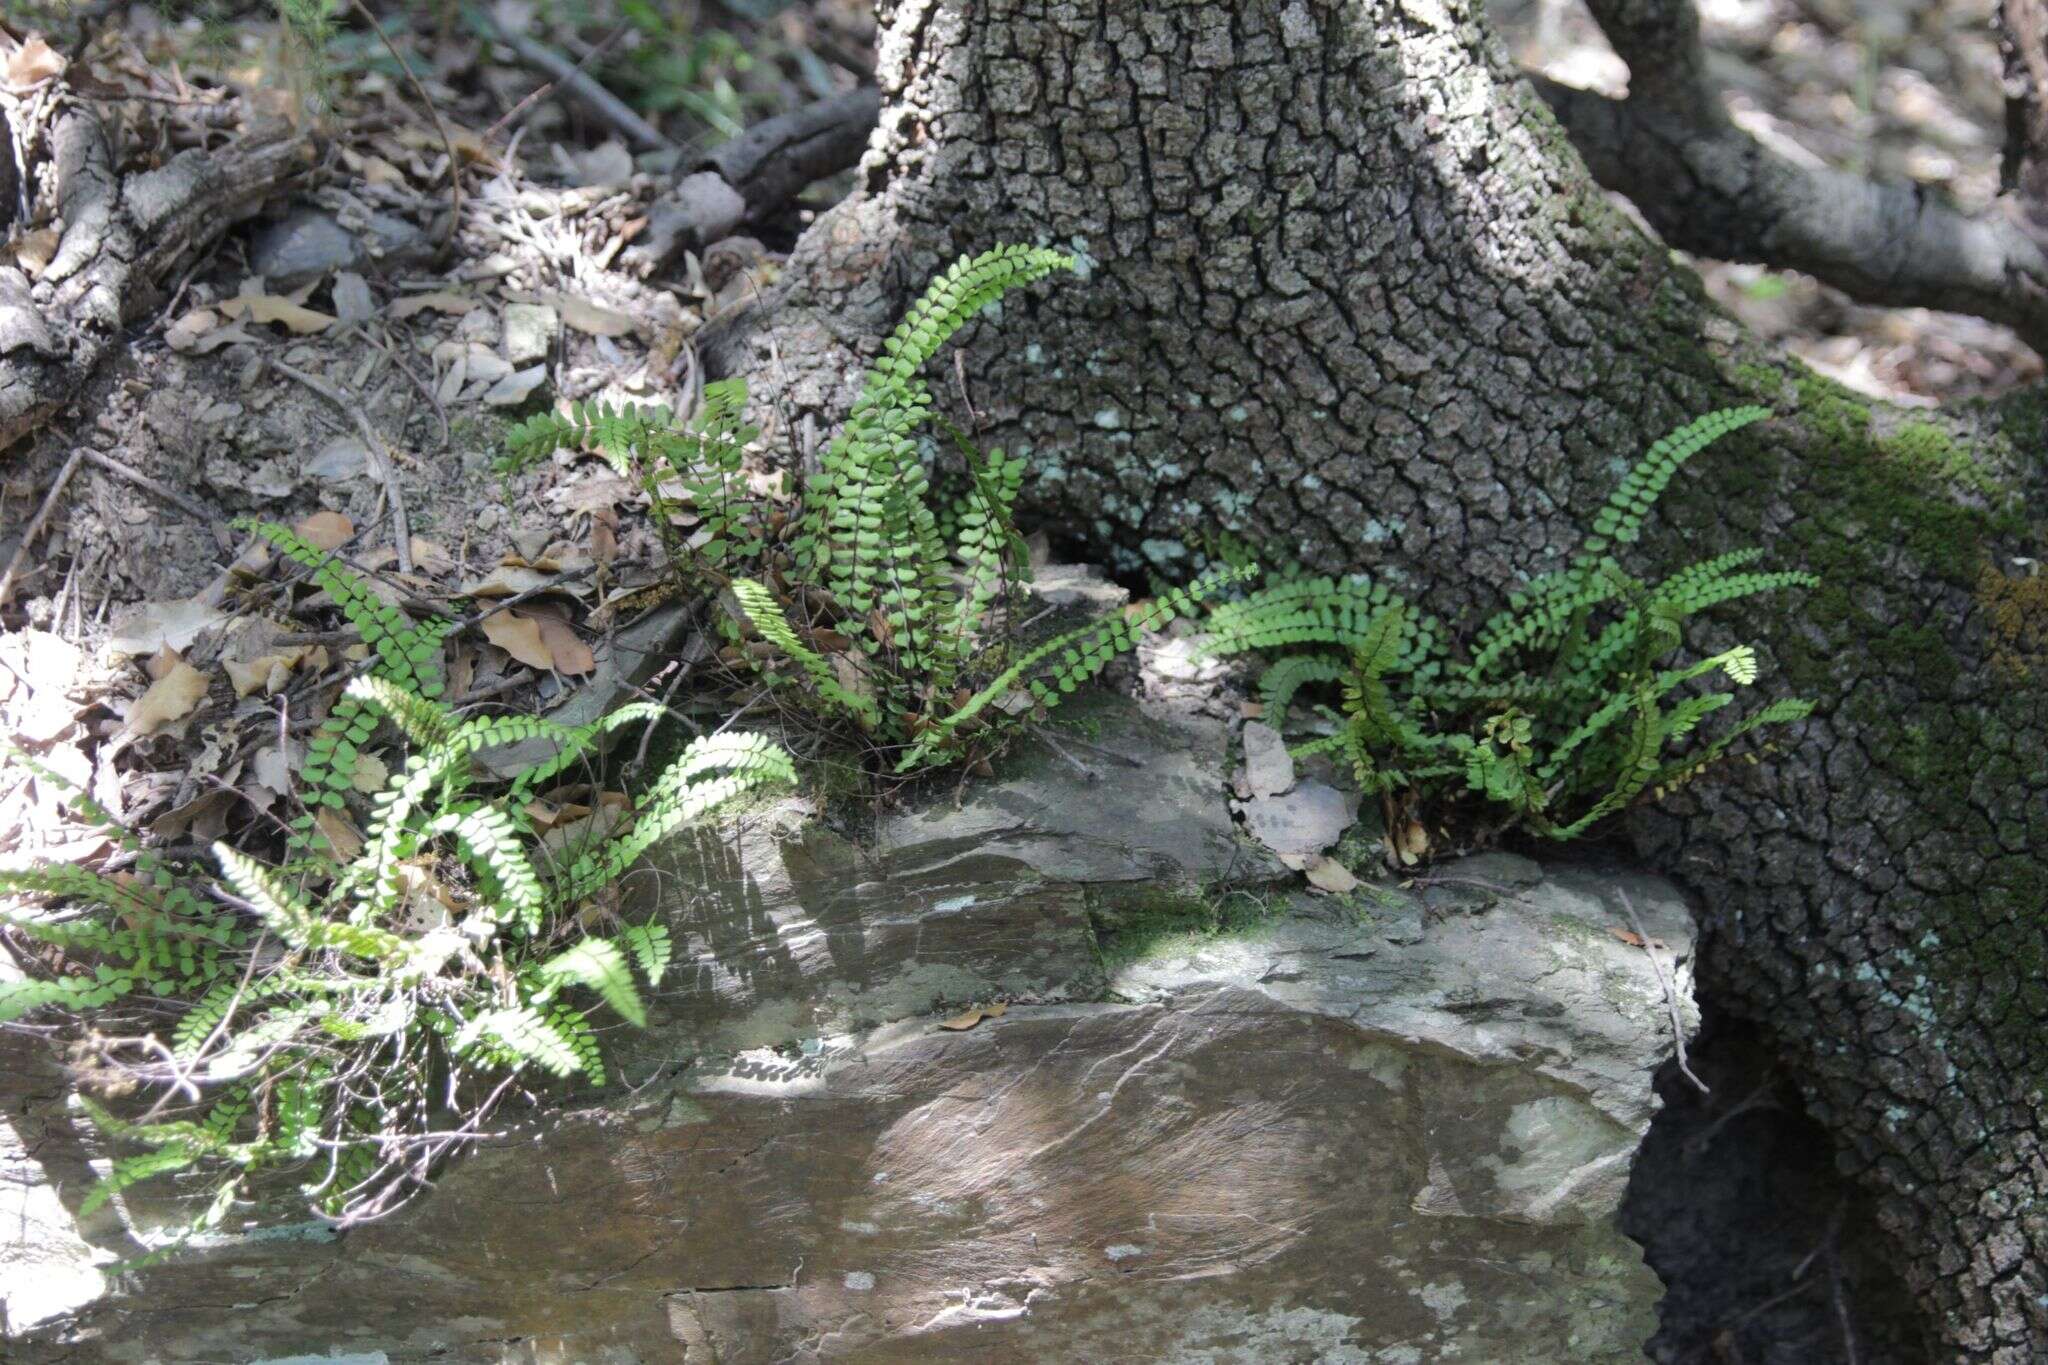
{"type": "Point", "coordinates": [970, 285]}
{"type": "Point", "coordinates": [710, 772]}
{"type": "Point", "coordinates": [1620, 522]}
{"type": "Point", "coordinates": [766, 616]}
{"type": "Point", "coordinates": [649, 944]}
{"type": "Point", "coordinates": [1280, 682]}
{"type": "Point", "coordinates": [519, 1036]}
{"type": "Point", "coordinates": [509, 890]}
{"type": "Point", "coordinates": [598, 964]}
{"type": "Point", "coordinates": [1075, 656]}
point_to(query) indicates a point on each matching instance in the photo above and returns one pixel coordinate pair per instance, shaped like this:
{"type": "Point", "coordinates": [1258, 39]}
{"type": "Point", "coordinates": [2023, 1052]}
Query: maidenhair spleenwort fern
{"type": "Point", "coordinates": [359, 1020]}
{"type": "Point", "coordinates": [1556, 712]}
{"type": "Point", "coordinates": [876, 603]}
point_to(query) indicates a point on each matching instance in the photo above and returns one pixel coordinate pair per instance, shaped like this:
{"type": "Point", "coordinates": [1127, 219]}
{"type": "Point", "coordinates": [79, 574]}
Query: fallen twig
{"type": "Point", "coordinates": [1087, 773]}
{"type": "Point", "coordinates": [440, 126]}
{"type": "Point", "coordinates": [143, 481]}
{"type": "Point", "coordinates": [1670, 990]}
{"type": "Point", "coordinates": [540, 92]}
{"type": "Point", "coordinates": [571, 77]}
{"type": "Point", "coordinates": [380, 451]}
{"type": "Point", "coordinates": [36, 523]}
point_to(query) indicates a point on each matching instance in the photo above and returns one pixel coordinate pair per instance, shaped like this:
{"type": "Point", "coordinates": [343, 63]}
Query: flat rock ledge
{"type": "Point", "coordinates": [1393, 1128]}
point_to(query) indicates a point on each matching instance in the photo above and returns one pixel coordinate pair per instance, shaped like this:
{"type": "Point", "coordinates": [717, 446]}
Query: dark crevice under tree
{"type": "Point", "coordinates": [1353, 294]}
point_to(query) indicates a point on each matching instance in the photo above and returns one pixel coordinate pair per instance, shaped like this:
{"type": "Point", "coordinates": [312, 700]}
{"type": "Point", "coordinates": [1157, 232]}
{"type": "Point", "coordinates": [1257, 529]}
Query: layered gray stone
{"type": "Point", "coordinates": [1389, 1130]}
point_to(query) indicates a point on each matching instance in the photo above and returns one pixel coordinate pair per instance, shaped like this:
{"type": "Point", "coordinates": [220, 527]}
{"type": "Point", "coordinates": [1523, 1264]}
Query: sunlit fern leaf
{"type": "Point", "coordinates": [713, 770]}
{"type": "Point", "coordinates": [275, 904]}
{"type": "Point", "coordinates": [74, 994]}
{"type": "Point", "coordinates": [520, 1035]}
{"type": "Point", "coordinates": [650, 946]}
{"type": "Point", "coordinates": [408, 653]}
{"type": "Point", "coordinates": [598, 964]}
{"type": "Point", "coordinates": [509, 889]}
{"type": "Point", "coordinates": [767, 617]}
{"type": "Point", "coordinates": [131, 1170]}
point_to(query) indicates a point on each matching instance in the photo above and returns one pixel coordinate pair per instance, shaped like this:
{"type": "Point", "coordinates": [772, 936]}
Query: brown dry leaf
{"type": "Point", "coordinates": [374, 169]}
{"type": "Point", "coordinates": [440, 300]}
{"type": "Point", "coordinates": [960, 1023]}
{"type": "Point", "coordinates": [1634, 939]}
{"type": "Point", "coordinates": [520, 637]}
{"type": "Point", "coordinates": [253, 662]}
{"type": "Point", "coordinates": [567, 835]}
{"type": "Point", "coordinates": [571, 655]}
{"type": "Point", "coordinates": [1327, 874]}
{"type": "Point", "coordinates": [149, 626]}
{"type": "Point", "coordinates": [370, 775]}
{"type": "Point", "coordinates": [270, 308]}
{"type": "Point", "coordinates": [204, 818]}
{"type": "Point", "coordinates": [33, 62]}
{"type": "Point", "coordinates": [594, 318]}
{"type": "Point", "coordinates": [161, 663]}
{"type": "Point", "coordinates": [431, 557]}
{"type": "Point", "coordinates": [34, 250]}
{"type": "Point", "coordinates": [326, 530]}
{"type": "Point", "coordinates": [168, 699]}
{"type": "Point", "coordinates": [1408, 845]}
{"type": "Point", "coordinates": [185, 333]}
{"type": "Point", "coordinates": [507, 580]}
{"type": "Point", "coordinates": [346, 840]}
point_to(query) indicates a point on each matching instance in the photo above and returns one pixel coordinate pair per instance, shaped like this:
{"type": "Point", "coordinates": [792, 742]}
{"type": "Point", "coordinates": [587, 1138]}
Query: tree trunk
{"type": "Point", "coordinates": [1351, 294]}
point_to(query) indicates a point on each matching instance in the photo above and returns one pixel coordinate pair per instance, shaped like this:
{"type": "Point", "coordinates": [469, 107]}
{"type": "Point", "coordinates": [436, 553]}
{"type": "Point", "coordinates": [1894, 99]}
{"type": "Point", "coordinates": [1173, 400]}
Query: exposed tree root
{"type": "Point", "coordinates": [125, 238]}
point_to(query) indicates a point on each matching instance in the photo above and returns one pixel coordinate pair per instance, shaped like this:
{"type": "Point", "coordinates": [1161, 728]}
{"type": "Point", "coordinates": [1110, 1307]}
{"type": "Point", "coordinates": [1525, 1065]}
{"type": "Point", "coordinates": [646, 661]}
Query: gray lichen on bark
{"type": "Point", "coordinates": [1351, 294]}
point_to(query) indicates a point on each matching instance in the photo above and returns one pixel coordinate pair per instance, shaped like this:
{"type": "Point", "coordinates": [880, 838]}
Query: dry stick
{"type": "Point", "coordinates": [1087, 773]}
{"type": "Point", "coordinates": [1670, 991]}
{"type": "Point", "coordinates": [380, 450]}
{"type": "Point", "coordinates": [440, 126]}
{"type": "Point", "coordinates": [426, 391]}
{"type": "Point", "coordinates": [143, 481]}
{"type": "Point", "coordinates": [602, 103]}
{"type": "Point", "coordinates": [541, 92]}
{"type": "Point", "coordinates": [36, 524]}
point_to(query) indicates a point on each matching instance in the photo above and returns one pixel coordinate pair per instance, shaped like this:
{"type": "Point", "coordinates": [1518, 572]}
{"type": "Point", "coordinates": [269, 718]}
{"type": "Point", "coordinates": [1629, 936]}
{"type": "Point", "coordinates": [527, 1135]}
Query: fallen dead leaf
{"type": "Point", "coordinates": [149, 626]}
{"type": "Point", "coordinates": [326, 530]}
{"type": "Point", "coordinates": [204, 818]}
{"type": "Point", "coordinates": [520, 637]}
{"type": "Point", "coordinates": [169, 698]}
{"type": "Point", "coordinates": [1636, 940]}
{"type": "Point", "coordinates": [33, 62]}
{"type": "Point", "coordinates": [571, 656]}
{"type": "Point", "coordinates": [594, 318]}
{"type": "Point", "coordinates": [33, 251]}
{"type": "Point", "coordinates": [440, 300]}
{"type": "Point", "coordinates": [1327, 874]}
{"type": "Point", "coordinates": [185, 333]}
{"type": "Point", "coordinates": [271, 308]}
{"type": "Point", "coordinates": [345, 839]}
{"type": "Point", "coordinates": [161, 663]}
{"type": "Point", "coordinates": [515, 388]}
{"type": "Point", "coordinates": [507, 580]}
{"type": "Point", "coordinates": [960, 1023]}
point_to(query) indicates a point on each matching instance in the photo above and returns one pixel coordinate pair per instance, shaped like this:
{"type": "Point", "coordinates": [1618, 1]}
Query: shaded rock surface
{"type": "Point", "coordinates": [1393, 1130]}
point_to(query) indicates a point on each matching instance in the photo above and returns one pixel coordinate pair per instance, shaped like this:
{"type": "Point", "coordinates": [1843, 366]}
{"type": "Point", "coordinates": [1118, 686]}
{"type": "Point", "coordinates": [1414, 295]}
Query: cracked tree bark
{"type": "Point", "coordinates": [1351, 293]}
{"type": "Point", "coordinates": [124, 240]}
